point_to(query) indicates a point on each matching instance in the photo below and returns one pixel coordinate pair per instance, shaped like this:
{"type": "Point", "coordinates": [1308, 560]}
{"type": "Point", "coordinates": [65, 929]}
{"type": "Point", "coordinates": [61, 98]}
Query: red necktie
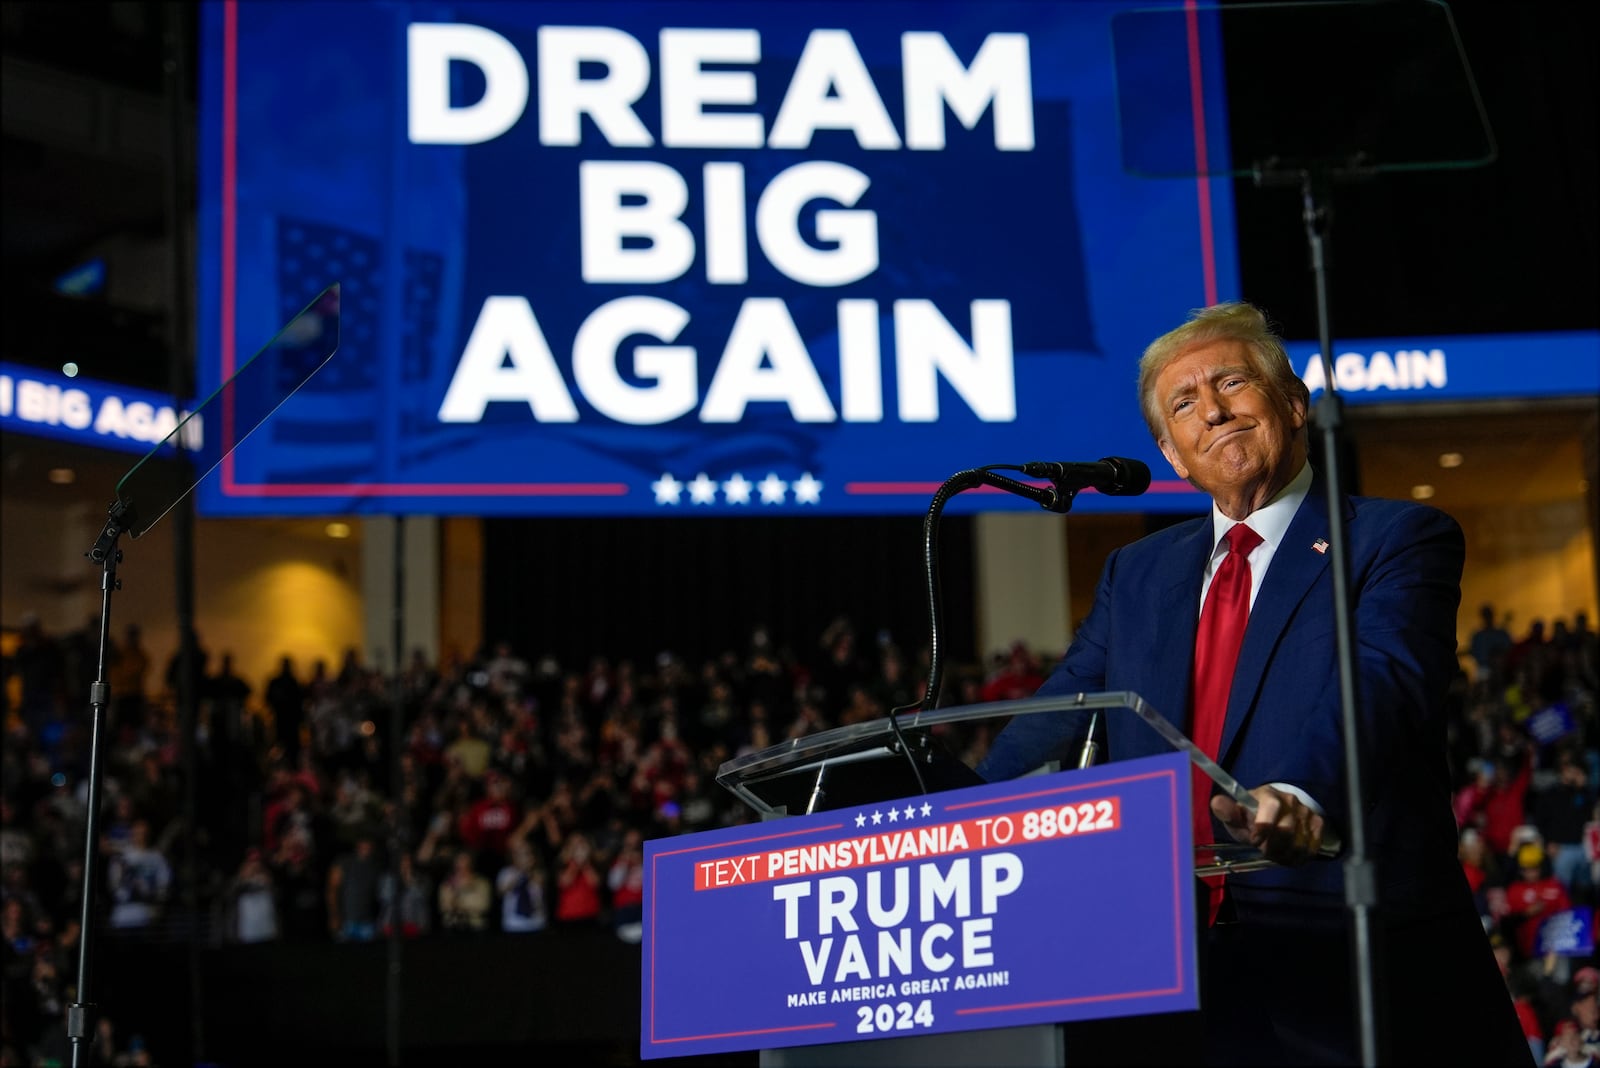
{"type": "Point", "coordinates": [1216, 651]}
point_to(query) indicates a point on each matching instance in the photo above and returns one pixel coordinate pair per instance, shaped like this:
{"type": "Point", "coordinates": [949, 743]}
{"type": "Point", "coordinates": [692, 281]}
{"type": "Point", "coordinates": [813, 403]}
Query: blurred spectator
{"type": "Point", "coordinates": [194, 682]}
{"type": "Point", "coordinates": [353, 893]}
{"type": "Point", "coordinates": [507, 672]}
{"type": "Point", "coordinates": [288, 820]}
{"type": "Point", "coordinates": [859, 706]}
{"type": "Point", "coordinates": [840, 667]}
{"type": "Point", "coordinates": [226, 688]}
{"type": "Point", "coordinates": [1561, 811]}
{"type": "Point", "coordinates": [521, 887]}
{"type": "Point", "coordinates": [489, 822]}
{"type": "Point", "coordinates": [1533, 897]}
{"type": "Point", "coordinates": [356, 811]}
{"type": "Point", "coordinates": [286, 699]}
{"type": "Point", "coordinates": [302, 893]}
{"type": "Point", "coordinates": [1015, 677]}
{"type": "Point", "coordinates": [127, 674]}
{"type": "Point", "coordinates": [16, 842]}
{"type": "Point", "coordinates": [1585, 1007]}
{"type": "Point", "coordinates": [251, 902]}
{"type": "Point", "coordinates": [154, 792]}
{"type": "Point", "coordinates": [894, 687]}
{"type": "Point", "coordinates": [15, 930]}
{"type": "Point", "coordinates": [80, 655]}
{"type": "Point", "coordinates": [37, 664]}
{"type": "Point", "coordinates": [117, 829]}
{"type": "Point", "coordinates": [1567, 1049]}
{"type": "Point", "coordinates": [1495, 802]}
{"type": "Point", "coordinates": [625, 880]}
{"type": "Point", "coordinates": [469, 751]}
{"type": "Point", "coordinates": [140, 879]}
{"type": "Point", "coordinates": [1489, 645]}
{"type": "Point", "coordinates": [715, 720]}
{"type": "Point", "coordinates": [1521, 990]}
{"type": "Point", "coordinates": [464, 897]}
{"type": "Point", "coordinates": [1481, 868]}
{"type": "Point", "coordinates": [1527, 654]}
{"type": "Point", "coordinates": [414, 896]}
{"type": "Point", "coordinates": [577, 882]}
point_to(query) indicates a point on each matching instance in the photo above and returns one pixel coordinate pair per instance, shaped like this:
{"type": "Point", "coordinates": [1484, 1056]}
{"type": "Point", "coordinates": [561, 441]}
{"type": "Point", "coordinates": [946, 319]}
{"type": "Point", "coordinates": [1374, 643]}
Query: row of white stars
{"type": "Point", "coordinates": [894, 815]}
{"type": "Point", "coordinates": [736, 490]}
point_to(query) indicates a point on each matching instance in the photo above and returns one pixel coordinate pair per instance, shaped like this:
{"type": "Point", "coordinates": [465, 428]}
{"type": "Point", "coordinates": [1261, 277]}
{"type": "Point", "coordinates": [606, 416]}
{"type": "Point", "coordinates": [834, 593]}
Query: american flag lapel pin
{"type": "Point", "coordinates": [1320, 545]}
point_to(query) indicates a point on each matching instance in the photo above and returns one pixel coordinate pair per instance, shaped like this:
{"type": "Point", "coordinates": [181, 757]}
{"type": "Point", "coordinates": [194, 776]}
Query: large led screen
{"type": "Point", "coordinates": [698, 258]}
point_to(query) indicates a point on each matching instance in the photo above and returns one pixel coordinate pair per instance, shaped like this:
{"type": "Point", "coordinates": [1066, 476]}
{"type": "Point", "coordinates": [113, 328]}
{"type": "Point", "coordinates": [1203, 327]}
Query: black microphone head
{"type": "Point", "coordinates": [1132, 477]}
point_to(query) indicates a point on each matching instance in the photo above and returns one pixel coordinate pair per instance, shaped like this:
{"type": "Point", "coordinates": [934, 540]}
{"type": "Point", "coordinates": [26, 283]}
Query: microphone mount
{"type": "Point", "coordinates": [1111, 475]}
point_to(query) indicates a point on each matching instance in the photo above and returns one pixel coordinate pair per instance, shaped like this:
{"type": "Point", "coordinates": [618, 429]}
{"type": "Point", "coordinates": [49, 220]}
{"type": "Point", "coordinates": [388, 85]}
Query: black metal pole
{"type": "Point", "coordinates": [1360, 876]}
{"type": "Point", "coordinates": [179, 182]}
{"type": "Point", "coordinates": [397, 831]}
{"type": "Point", "coordinates": [80, 1010]}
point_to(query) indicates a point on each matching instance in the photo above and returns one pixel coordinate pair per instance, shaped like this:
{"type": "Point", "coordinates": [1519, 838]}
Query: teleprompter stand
{"type": "Point", "coordinates": [150, 489]}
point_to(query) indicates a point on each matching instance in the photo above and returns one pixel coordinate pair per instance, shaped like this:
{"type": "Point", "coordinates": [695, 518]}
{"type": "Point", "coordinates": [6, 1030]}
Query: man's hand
{"type": "Point", "coordinates": [1284, 828]}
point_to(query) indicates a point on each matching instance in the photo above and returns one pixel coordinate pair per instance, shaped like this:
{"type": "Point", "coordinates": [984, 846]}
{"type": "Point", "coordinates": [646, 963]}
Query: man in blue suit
{"type": "Point", "coordinates": [1230, 415]}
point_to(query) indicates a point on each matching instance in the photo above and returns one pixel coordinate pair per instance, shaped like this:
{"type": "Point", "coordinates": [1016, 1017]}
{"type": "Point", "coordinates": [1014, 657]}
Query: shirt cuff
{"type": "Point", "coordinates": [1330, 838]}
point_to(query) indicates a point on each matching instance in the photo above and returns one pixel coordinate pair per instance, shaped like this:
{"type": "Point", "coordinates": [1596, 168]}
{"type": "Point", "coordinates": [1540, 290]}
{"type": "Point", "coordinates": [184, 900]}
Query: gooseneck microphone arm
{"type": "Point", "coordinates": [1114, 475]}
{"type": "Point", "coordinates": [1056, 497]}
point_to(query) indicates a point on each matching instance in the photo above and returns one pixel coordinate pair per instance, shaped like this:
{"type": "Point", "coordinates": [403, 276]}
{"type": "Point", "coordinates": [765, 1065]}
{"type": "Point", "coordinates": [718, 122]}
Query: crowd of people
{"type": "Point", "coordinates": [522, 793]}
{"type": "Point", "coordinates": [1526, 758]}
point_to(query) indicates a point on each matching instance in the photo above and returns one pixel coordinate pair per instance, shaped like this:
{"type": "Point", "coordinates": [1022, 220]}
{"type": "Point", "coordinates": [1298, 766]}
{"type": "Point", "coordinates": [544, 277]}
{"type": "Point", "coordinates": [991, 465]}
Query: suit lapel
{"type": "Point", "coordinates": [1176, 619]}
{"type": "Point", "coordinates": [1295, 567]}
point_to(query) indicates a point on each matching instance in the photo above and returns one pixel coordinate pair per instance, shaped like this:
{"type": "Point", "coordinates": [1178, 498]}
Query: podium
{"type": "Point", "coordinates": [950, 925]}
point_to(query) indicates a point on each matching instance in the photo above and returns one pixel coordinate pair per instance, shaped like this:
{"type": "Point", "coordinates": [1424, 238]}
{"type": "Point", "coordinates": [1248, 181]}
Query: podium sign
{"type": "Point", "coordinates": [1047, 899]}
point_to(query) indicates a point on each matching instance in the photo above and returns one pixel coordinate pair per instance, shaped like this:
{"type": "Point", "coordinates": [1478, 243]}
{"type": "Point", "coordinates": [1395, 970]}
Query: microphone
{"type": "Point", "coordinates": [1115, 476]}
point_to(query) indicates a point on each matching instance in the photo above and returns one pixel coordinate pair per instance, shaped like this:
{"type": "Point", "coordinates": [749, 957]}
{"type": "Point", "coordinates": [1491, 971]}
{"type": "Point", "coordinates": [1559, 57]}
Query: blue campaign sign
{"type": "Point", "coordinates": [1046, 899]}
{"type": "Point", "coordinates": [1460, 368]}
{"type": "Point", "coordinates": [1569, 933]}
{"type": "Point", "coordinates": [87, 412]}
{"type": "Point", "coordinates": [691, 258]}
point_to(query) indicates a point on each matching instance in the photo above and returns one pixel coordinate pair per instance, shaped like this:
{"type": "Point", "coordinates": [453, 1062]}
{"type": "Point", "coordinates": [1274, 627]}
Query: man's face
{"type": "Point", "coordinates": [1225, 428]}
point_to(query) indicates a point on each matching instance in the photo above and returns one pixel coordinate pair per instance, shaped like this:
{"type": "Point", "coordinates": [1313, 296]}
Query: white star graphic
{"type": "Point", "coordinates": [668, 489]}
{"type": "Point", "coordinates": [807, 490]}
{"type": "Point", "coordinates": [910, 811]}
{"type": "Point", "coordinates": [773, 489]}
{"type": "Point", "coordinates": [894, 814]}
{"type": "Point", "coordinates": [702, 490]}
{"type": "Point", "coordinates": [737, 489]}
{"type": "Point", "coordinates": [877, 817]}
{"type": "Point", "coordinates": [861, 819]}
{"type": "Point", "coordinates": [927, 809]}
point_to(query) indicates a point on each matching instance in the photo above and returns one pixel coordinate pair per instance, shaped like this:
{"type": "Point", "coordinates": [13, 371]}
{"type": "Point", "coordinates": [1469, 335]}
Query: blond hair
{"type": "Point", "coordinates": [1237, 321]}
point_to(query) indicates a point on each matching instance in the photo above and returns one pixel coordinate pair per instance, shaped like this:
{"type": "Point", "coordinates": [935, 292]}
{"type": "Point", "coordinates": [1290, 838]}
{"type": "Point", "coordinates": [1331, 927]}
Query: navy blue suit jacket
{"type": "Point", "coordinates": [1284, 722]}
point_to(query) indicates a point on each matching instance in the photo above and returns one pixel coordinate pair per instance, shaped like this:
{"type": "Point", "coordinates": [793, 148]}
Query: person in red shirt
{"type": "Point", "coordinates": [1018, 677]}
{"type": "Point", "coordinates": [487, 825]}
{"type": "Point", "coordinates": [1506, 807]}
{"type": "Point", "coordinates": [625, 879]}
{"type": "Point", "coordinates": [1533, 897]}
{"type": "Point", "coordinates": [577, 882]}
